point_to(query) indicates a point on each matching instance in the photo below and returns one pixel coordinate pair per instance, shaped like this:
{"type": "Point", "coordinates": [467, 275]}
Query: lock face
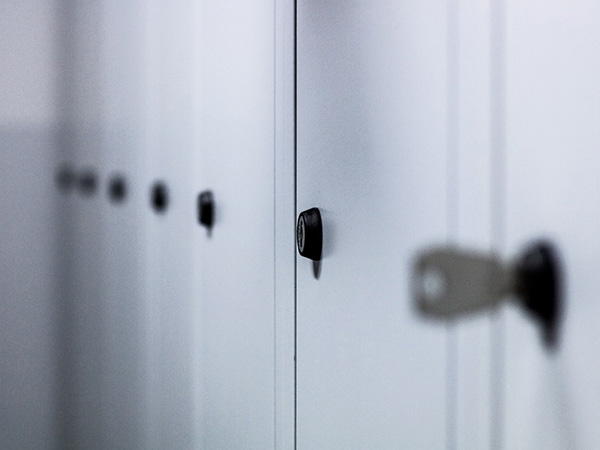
{"type": "Point", "coordinates": [65, 178]}
{"type": "Point", "coordinates": [301, 234]}
{"type": "Point", "coordinates": [309, 234]}
{"type": "Point", "coordinates": [159, 197]}
{"type": "Point", "coordinates": [88, 182]}
{"type": "Point", "coordinates": [117, 188]}
{"type": "Point", "coordinates": [540, 287]}
{"type": "Point", "coordinates": [206, 209]}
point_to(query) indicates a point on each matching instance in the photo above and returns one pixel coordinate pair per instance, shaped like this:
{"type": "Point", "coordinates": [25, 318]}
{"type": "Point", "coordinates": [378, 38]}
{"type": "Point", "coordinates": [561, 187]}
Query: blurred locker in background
{"type": "Point", "coordinates": [234, 124]}
{"type": "Point", "coordinates": [30, 222]}
{"type": "Point", "coordinates": [126, 324]}
{"type": "Point", "coordinates": [154, 157]}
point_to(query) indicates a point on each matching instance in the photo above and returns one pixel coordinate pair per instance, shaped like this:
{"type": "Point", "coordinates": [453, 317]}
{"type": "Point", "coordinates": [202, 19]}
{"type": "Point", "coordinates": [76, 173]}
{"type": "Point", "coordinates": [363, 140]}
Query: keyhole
{"type": "Point", "coordinates": [301, 236]}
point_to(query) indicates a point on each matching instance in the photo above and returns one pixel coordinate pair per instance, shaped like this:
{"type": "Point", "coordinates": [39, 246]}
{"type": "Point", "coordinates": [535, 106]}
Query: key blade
{"type": "Point", "coordinates": [449, 282]}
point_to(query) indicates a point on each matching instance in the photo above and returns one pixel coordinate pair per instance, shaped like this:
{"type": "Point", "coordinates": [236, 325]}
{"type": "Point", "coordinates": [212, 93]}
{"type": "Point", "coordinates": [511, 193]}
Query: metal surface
{"type": "Point", "coordinates": [552, 166]}
{"type": "Point", "coordinates": [122, 200]}
{"type": "Point", "coordinates": [234, 154]}
{"type": "Point", "coordinates": [372, 154]}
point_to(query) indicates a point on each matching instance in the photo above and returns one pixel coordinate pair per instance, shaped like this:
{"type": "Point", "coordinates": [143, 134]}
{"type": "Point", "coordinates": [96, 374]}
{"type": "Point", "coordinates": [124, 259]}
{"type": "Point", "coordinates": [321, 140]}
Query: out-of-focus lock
{"type": "Point", "coordinates": [65, 178]}
{"type": "Point", "coordinates": [117, 188]}
{"type": "Point", "coordinates": [449, 282]}
{"type": "Point", "coordinates": [309, 234]}
{"type": "Point", "coordinates": [87, 182]}
{"type": "Point", "coordinates": [159, 197]}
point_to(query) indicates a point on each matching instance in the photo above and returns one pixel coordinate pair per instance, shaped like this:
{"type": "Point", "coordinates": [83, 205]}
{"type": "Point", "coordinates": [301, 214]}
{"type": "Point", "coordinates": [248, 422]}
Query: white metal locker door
{"type": "Point", "coordinates": [83, 392]}
{"type": "Point", "coordinates": [552, 141]}
{"type": "Point", "coordinates": [235, 163]}
{"type": "Point", "coordinates": [371, 154]}
{"type": "Point", "coordinates": [472, 226]}
{"type": "Point", "coordinates": [124, 204]}
{"type": "Point", "coordinates": [29, 231]}
{"type": "Point", "coordinates": [170, 318]}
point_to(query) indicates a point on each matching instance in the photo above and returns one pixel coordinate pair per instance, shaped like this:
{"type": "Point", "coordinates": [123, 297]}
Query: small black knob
{"type": "Point", "coordinates": [539, 287]}
{"type": "Point", "coordinates": [206, 209]}
{"type": "Point", "coordinates": [65, 178]}
{"type": "Point", "coordinates": [309, 234]}
{"type": "Point", "coordinates": [117, 188]}
{"type": "Point", "coordinates": [159, 197]}
{"type": "Point", "coordinates": [88, 182]}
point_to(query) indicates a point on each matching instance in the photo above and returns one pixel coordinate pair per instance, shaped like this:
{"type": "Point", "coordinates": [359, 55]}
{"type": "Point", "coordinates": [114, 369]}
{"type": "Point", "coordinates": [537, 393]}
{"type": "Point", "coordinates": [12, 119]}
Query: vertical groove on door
{"type": "Point", "coordinates": [66, 66]}
{"type": "Point", "coordinates": [275, 312]}
{"type": "Point", "coordinates": [452, 204]}
{"type": "Point", "coordinates": [295, 215]}
{"type": "Point", "coordinates": [498, 209]}
{"type": "Point", "coordinates": [285, 220]}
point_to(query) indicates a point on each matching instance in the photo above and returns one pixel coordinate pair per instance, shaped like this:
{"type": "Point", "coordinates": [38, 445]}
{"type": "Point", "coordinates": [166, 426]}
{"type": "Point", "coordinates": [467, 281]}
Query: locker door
{"type": "Point", "coordinates": [234, 150]}
{"type": "Point", "coordinates": [123, 202]}
{"type": "Point", "coordinates": [472, 224]}
{"type": "Point", "coordinates": [372, 155]}
{"type": "Point", "coordinates": [29, 232]}
{"type": "Point", "coordinates": [171, 224]}
{"type": "Point", "coordinates": [83, 372]}
{"type": "Point", "coordinates": [552, 165]}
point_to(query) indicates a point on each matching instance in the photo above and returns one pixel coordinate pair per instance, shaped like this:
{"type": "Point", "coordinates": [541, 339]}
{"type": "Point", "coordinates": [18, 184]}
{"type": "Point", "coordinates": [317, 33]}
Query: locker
{"type": "Point", "coordinates": [28, 225]}
{"type": "Point", "coordinates": [184, 314]}
{"type": "Point", "coordinates": [82, 373]}
{"type": "Point", "coordinates": [234, 163]}
{"type": "Point", "coordinates": [372, 155]}
{"type": "Point", "coordinates": [473, 340]}
{"type": "Point", "coordinates": [122, 199]}
{"type": "Point", "coordinates": [170, 225]}
{"type": "Point", "coordinates": [552, 107]}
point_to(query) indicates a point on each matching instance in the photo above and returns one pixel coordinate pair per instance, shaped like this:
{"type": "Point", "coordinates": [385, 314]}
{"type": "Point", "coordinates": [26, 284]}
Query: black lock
{"type": "Point", "coordinates": [65, 178]}
{"type": "Point", "coordinates": [88, 182]}
{"type": "Point", "coordinates": [539, 287]}
{"type": "Point", "coordinates": [117, 188]}
{"type": "Point", "coordinates": [206, 209]}
{"type": "Point", "coordinates": [309, 234]}
{"type": "Point", "coordinates": [159, 197]}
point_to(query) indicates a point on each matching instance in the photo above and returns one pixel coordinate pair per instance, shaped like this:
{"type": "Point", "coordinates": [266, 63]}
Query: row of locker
{"type": "Point", "coordinates": [116, 190]}
{"type": "Point", "coordinates": [448, 283]}
{"type": "Point", "coordinates": [408, 124]}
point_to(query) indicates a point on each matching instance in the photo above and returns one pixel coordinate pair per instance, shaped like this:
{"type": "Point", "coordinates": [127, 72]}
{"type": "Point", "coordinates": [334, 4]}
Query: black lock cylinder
{"type": "Point", "coordinates": [159, 197]}
{"type": "Point", "coordinates": [117, 188]}
{"type": "Point", "coordinates": [88, 182]}
{"type": "Point", "coordinates": [309, 234]}
{"type": "Point", "coordinates": [206, 209]}
{"type": "Point", "coordinates": [539, 287]}
{"type": "Point", "coordinates": [65, 178]}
